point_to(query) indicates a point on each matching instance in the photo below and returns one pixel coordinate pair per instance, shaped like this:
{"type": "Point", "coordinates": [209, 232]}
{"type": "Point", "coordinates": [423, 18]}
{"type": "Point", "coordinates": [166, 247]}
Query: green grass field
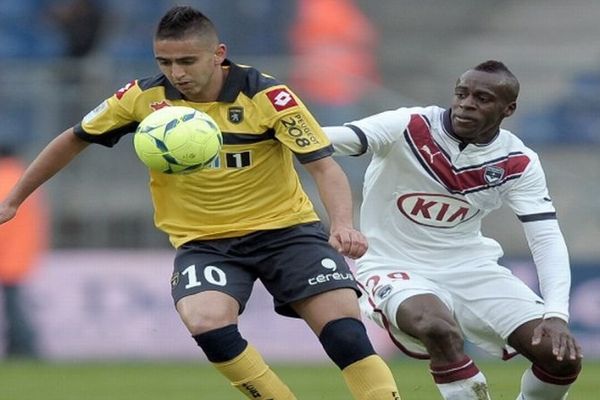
{"type": "Point", "coordinates": [187, 381]}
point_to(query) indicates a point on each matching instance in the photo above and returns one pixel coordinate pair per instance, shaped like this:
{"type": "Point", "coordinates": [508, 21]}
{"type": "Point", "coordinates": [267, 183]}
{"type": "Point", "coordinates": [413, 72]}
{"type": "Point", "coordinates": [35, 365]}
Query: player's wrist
{"type": "Point", "coordinates": [555, 314]}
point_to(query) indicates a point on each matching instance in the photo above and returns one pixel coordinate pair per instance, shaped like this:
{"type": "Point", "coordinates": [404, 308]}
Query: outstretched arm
{"type": "Point", "coordinates": [54, 157]}
{"type": "Point", "coordinates": [334, 191]}
{"type": "Point", "coordinates": [346, 141]}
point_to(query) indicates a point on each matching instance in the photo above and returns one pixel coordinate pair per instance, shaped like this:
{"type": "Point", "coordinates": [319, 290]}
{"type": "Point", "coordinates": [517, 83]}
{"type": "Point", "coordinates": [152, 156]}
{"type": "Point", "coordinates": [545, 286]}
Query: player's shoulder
{"type": "Point", "coordinates": [141, 86]}
{"type": "Point", "coordinates": [428, 113]}
{"type": "Point", "coordinates": [511, 143]}
{"type": "Point", "coordinates": [150, 82]}
{"type": "Point", "coordinates": [248, 80]}
{"type": "Point", "coordinates": [398, 117]}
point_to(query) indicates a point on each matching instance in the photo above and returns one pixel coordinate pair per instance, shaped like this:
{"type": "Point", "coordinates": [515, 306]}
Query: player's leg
{"type": "Point", "coordinates": [209, 291]}
{"type": "Point", "coordinates": [417, 314]}
{"type": "Point", "coordinates": [495, 309]}
{"type": "Point", "coordinates": [334, 316]}
{"type": "Point", "coordinates": [547, 378]}
{"type": "Point", "coordinates": [428, 319]}
{"type": "Point", "coordinates": [211, 318]}
{"type": "Point", "coordinates": [309, 279]}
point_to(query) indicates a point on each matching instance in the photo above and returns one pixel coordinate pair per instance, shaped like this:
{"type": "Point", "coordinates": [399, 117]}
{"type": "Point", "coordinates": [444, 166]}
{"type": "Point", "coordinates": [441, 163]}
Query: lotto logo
{"type": "Point", "coordinates": [281, 99]}
{"type": "Point", "coordinates": [124, 89]}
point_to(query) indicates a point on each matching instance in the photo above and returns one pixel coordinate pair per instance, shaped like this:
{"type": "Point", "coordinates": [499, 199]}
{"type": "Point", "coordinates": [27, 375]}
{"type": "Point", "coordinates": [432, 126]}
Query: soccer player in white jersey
{"type": "Point", "coordinates": [430, 277]}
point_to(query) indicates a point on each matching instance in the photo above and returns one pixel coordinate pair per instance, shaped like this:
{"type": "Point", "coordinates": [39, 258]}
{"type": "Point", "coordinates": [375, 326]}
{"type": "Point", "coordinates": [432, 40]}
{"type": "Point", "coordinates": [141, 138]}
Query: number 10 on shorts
{"type": "Point", "coordinates": [213, 275]}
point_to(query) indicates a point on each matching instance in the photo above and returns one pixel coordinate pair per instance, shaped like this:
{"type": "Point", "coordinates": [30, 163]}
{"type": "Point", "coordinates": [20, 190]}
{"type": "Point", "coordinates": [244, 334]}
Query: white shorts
{"type": "Point", "coordinates": [488, 302]}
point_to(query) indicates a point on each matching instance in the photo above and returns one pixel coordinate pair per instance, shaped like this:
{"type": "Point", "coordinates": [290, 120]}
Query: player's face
{"type": "Point", "coordinates": [193, 65]}
{"type": "Point", "coordinates": [481, 101]}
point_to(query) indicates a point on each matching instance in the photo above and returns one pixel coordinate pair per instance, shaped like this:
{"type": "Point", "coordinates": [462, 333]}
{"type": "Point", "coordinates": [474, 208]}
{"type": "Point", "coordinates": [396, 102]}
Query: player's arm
{"type": "Point", "coordinates": [347, 140]}
{"type": "Point", "coordinates": [531, 202]}
{"type": "Point", "coordinates": [54, 157]}
{"type": "Point", "coordinates": [334, 191]}
{"type": "Point", "coordinates": [371, 134]}
{"type": "Point", "coordinates": [551, 258]}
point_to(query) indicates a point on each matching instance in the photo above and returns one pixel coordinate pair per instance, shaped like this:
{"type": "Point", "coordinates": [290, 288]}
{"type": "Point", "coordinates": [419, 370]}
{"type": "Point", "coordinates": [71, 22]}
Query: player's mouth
{"type": "Point", "coordinates": [464, 120]}
{"type": "Point", "coordinates": [184, 85]}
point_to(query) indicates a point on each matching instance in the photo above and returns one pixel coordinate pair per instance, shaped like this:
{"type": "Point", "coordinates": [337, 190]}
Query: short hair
{"type": "Point", "coordinates": [493, 66]}
{"type": "Point", "coordinates": [181, 21]}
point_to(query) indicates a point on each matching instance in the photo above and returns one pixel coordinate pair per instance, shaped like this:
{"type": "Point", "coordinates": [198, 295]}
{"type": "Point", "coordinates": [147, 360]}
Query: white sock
{"type": "Point", "coordinates": [474, 388]}
{"type": "Point", "coordinates": [533, 388]}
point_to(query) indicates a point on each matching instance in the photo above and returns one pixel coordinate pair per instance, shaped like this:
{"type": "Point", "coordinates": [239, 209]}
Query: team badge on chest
{"type": "Point", "coordinates": [235, 115]}
{"type": "Point", "coordinates": [493, 174]}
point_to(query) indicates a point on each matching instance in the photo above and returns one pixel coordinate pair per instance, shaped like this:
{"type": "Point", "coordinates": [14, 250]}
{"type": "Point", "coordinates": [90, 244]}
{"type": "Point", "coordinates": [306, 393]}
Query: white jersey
{"type": "Point", "coordinates": [425, 193]}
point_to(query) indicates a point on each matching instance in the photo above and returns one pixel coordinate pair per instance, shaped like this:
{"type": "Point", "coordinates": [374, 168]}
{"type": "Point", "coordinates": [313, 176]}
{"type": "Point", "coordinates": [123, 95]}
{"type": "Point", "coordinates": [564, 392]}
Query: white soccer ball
{"type": "Point", "coordinates": [177, 140]}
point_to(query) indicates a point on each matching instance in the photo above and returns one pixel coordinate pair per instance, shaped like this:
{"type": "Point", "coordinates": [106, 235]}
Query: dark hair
{"type": "Point", "coordinates": [493, 67]}
{"type": "Point", "coordinates": [180, 21]}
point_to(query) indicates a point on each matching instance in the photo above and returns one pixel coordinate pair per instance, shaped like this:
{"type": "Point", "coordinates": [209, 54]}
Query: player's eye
{"type": "Point", "coordinates": [187, 61]}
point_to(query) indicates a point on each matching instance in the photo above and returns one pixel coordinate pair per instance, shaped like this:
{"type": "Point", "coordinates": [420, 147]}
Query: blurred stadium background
{"type": "Point", "coordinates": [102, 291]}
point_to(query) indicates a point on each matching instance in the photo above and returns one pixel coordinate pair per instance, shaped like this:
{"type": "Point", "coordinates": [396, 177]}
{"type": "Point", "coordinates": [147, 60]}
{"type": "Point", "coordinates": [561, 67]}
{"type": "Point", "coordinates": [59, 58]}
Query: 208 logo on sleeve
{"type": "Point", "coordinates": [281, 99]}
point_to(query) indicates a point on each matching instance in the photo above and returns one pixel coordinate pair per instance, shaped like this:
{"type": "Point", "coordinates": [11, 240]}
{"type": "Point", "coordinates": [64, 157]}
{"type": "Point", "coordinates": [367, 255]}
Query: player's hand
{"type": "Point", "coordinates": [6, 213]}
{"type": "Point", "coordinates": [563, 342]}
{"type": "Point", "coordinates": [348, 241]}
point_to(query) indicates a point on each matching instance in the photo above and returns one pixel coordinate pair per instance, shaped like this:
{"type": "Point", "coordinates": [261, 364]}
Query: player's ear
{"type": "Point", "coordinates": [510, 109]}
{"type": "Point", "coordinates": [220, 54]}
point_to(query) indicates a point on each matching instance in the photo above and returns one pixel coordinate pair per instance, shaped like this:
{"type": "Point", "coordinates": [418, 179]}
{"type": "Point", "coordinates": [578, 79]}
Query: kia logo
{"type": "Point", "coordinates": [435, 210]}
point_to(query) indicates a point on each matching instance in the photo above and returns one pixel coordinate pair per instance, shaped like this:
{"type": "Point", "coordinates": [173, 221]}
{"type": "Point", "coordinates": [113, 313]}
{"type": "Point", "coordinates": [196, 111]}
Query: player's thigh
{"type": "Point", "coordinates": [422, 314]}
{"type": "Point", "coordinates": [209, 286]}
{"type": "Point", "coordinates": [403, 296]}
{"type": "Point", "coordinates": [325, 307]}
{"type": "Point", "coordinates": [388, 288]}
{"type": "Point", "coordinates": [208, 310]}
{"type": "Point", "coordinates": [492, 301]}
{"type": "Point", "coordinates": [299, 268]}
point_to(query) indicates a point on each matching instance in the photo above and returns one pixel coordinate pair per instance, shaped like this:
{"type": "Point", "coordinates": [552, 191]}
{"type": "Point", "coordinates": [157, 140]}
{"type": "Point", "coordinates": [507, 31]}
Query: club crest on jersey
{"type": "Point", "coordinates": [235, 115]}
{"type": "Point", "coordinates": [435, 210]}
{"type": "Point", "coordinates": [493, 174]}
{"type": "Point", "coordinates": [281, 99]}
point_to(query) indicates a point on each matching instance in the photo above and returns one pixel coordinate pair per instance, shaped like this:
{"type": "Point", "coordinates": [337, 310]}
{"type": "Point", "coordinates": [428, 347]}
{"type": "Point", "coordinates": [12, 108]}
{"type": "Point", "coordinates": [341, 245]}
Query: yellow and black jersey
{"type": "Point", "coordinates": [252, 185]}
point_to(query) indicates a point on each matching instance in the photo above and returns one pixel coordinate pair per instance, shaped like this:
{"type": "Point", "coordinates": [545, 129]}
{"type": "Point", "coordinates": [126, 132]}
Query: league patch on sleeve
{"type": "Point", "coordinates": [95, 112]}
{"type": "Point", "coordinates": [281, 99]}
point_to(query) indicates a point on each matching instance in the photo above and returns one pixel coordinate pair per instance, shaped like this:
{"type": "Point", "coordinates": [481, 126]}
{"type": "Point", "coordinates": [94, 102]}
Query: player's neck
{"type": "Point", "coordinates": [213, 88]}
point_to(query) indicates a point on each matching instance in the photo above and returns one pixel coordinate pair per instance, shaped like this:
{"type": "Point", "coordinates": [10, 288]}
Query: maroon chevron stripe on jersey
{"type": "Point", "coordinates": [466, 179]}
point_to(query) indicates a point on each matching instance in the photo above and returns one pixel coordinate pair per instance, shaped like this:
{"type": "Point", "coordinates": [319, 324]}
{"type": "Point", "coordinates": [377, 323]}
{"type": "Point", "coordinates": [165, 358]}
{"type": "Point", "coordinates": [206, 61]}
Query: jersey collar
{"type": "Point", "coordinates": [233, 85]}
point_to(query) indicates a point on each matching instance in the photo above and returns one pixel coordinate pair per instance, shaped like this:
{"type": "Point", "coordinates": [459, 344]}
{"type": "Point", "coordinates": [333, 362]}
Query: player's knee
{"type": "Point", "coordinates": [566, 368]}
{"type": "Point", "coordinates": [345, 341]}
{"type": "Point", "coordinates": [205, 320]}
{"type": "Point", "coordinates": [439, 332]}
{"type": "Point", "coordinates": [222, 344]}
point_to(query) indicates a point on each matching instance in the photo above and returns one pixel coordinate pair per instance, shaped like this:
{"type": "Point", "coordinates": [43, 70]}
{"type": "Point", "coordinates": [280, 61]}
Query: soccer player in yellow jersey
{"type": "Point", "coordinates": [244, 218]}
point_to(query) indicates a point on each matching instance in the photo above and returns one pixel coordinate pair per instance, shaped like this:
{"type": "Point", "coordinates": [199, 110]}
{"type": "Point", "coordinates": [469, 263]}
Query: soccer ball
{"type": "Point", "coordinates": [177, 139]}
